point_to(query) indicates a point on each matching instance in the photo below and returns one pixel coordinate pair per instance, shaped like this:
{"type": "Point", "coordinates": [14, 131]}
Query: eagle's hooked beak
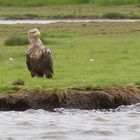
{"type": "Point", "coordinates": [38, 33]}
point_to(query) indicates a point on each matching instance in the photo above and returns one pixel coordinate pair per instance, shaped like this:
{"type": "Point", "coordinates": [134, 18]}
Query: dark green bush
{"type": "Point", "coordinates": [84, 1]}
{"type": "Point", "coordinates": [16, 41]}
{"type": "Point", "coordinates": [115, 2]}
{"type": "Point", "coordinates": [20, 40]}
{"type": "Point", "coordinates": [113, 15]}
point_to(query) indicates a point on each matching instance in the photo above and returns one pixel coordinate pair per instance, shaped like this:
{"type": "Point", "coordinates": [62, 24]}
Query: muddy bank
{"type": "Point", "coordinates": [82, 98]}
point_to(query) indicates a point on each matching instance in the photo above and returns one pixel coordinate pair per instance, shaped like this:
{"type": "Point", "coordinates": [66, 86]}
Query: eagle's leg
{"type": "Point", "coordinates": [40, 74]}
{"type": "Point", "coordinates": [33, 74]}
{"type": "Point", "coordinates": [48, 74]}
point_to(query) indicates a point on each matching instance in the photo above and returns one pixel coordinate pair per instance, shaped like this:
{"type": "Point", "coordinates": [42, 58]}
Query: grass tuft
{"type": "Point", "coordinates": [16, 41]}
{"type": "Point", "coordinates": [20, 17]}
{"type": "Point", "coordinates": [116, 2]}
{"type": "Point", "coordinates": [113, 15]}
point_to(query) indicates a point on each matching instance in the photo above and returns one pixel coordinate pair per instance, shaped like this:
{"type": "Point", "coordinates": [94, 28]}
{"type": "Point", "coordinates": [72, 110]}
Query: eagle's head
{"type": "Point", "coordinates": [33, 36]}
{"type": "Point", "coordinates": [34, 33]}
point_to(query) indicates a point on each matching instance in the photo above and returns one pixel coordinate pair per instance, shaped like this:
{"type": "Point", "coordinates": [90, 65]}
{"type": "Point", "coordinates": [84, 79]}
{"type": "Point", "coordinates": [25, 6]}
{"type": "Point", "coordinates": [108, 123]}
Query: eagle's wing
{"type": "Point", "coordinates": [40, 62]}
{"type": "Point", "coordinates": [47, 62]}
{"type": "Point", "coordinates": [28, 62]}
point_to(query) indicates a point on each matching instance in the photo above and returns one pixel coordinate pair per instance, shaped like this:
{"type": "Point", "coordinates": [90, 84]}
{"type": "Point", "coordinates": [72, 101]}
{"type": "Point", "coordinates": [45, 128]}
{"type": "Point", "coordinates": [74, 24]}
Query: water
{"type": "Point", "coordinates": [64, 124]}
{"type": "Point", "coordinates": [65, 20]}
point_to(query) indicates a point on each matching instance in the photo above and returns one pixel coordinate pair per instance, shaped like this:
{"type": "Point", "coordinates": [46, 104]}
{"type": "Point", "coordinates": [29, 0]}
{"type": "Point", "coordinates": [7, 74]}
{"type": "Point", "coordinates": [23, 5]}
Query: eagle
{"type": "Point", "coordinates": [38, 57]}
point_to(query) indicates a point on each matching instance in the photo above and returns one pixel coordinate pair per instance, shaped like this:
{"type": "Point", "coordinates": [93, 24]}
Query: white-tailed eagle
{"type": "Point", "coordinates": [38, 58]}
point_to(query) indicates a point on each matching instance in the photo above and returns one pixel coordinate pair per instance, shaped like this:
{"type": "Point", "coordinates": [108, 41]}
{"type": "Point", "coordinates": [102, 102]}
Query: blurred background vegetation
{"type": "Point", "coordinates": [62, 9]}
{"type": "Point", "coordinates": [32, 3]}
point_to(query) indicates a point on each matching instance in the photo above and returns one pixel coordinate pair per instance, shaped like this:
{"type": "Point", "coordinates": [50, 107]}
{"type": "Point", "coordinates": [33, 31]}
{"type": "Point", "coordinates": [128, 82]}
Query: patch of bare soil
{"type": "Point", "coordinates": [84, 98]}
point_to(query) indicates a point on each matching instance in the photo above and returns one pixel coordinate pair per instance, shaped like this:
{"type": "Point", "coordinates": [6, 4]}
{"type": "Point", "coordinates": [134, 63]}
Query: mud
{"type": "Point", "coordinates": [77, 98]}
{"type": "Point", "coordinates": [18, 82]}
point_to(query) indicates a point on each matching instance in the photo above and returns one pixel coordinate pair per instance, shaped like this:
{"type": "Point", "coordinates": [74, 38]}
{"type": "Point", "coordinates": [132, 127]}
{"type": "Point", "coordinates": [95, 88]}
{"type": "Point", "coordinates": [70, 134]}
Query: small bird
{"type": "Point", "coordinates": [38, 58]}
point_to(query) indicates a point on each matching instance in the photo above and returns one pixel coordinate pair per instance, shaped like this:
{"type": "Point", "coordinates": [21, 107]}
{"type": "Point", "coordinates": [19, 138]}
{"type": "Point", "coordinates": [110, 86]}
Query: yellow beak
{"type": "Point", "coordinates": [37, 33]}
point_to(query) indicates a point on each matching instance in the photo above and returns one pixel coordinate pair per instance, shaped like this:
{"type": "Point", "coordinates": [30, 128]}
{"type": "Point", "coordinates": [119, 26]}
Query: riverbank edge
{"type": "Point", "coordinates": [74, 17]}
{"type": "Point", "coordinates": [74, 98]}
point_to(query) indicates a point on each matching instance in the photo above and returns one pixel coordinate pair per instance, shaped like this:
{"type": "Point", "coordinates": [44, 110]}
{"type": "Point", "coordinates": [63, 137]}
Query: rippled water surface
{"type": "Point", "coordinates": [120, 124]}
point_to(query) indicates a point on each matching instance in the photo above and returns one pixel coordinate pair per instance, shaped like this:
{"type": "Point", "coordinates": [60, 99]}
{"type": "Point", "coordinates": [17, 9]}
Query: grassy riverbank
{"type": "Point", "coordinates": [46, 9]}
{"type": "Point", "coordinates": [85, 54]}
{"type": "Point", "coordinates": [31, 3]}
{"type": "Point", "coordinates": [75, 11]}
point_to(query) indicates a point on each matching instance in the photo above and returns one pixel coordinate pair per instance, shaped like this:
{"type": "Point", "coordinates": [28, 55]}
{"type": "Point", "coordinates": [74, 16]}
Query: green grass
{"type": "Point", "coordinates": [48, 9]}
{"type": "Point", "coordinates": [20, 40]}
{"type": "Point", "coordinates": [85, 54]}
{"type": "Point", "coordinates": [16, 41]}
{"type": "Point", "coordinates": [114, 15]}
{"type": "Point", "coordinates": [31, 3]}
{"type": "Point", "coordinates": [114, 2]}
{"type": "Point", "coordinates": [75, 11]}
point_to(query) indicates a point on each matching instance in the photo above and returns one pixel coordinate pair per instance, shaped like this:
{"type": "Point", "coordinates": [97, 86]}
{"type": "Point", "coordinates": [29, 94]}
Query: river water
{"type": "Point", "coordinates": [64, 124]}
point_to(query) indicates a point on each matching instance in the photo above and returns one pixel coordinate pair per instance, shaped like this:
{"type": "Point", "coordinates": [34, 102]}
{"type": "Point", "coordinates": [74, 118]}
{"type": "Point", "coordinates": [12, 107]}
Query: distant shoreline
{"type": "Point", "coordinates": [71, 12]}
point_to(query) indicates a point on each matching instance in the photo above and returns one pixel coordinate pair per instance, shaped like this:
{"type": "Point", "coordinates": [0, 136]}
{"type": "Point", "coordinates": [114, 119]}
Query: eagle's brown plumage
{"type": "Point", "coordinates": [38, 58]}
